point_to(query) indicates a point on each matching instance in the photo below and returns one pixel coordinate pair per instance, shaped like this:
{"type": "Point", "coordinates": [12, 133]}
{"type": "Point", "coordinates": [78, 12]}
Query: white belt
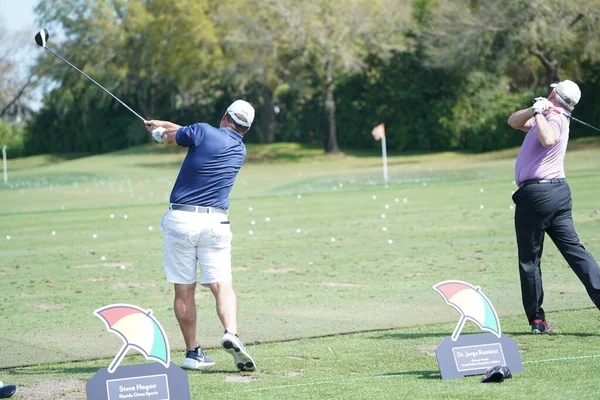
{"type": "Point", "coordinates": [197, 209]}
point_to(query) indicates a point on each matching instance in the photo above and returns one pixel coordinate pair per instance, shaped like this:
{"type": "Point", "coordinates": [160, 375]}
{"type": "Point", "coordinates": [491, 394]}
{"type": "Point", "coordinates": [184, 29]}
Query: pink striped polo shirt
{"type": "Point", "coordinates": [538, 162]}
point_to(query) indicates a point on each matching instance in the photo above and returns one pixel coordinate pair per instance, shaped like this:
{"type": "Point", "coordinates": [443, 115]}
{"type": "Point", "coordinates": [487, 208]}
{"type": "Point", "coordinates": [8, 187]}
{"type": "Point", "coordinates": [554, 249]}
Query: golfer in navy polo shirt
{"type": "Point", "coordinates": [196, 230]}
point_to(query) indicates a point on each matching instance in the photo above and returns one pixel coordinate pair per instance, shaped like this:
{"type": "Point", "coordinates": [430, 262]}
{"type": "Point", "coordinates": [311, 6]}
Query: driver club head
{"type": "Point", "coordinates": [42, 37]}
{"type": "Point", "coordinates": [7, 391]}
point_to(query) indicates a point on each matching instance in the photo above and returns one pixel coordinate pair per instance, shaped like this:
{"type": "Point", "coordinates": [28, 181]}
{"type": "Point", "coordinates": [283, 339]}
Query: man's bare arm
{"type": "Point", "coordinates": [520, 119]}
{"type": "Point", "coordinates": [156, 123]}
{"type": "Point", "coordinates": [170, 133]}
{"type": "Point", "coordinates": [169, 136]}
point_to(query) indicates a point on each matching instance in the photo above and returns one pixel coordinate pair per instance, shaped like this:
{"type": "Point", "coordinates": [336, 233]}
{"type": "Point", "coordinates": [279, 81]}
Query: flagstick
{"type": "Point", "coordinates": [458, 328]}
{"type": "Point", "coordinates": [384, 157]}
{"type": "Point", "coordinates": [115, 363]}
{"type": "Point", "coordinates": [4, 164]}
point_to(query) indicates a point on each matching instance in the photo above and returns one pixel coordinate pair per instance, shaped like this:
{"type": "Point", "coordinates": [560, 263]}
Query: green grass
{"type": "Point", "coordinates": [398, 363]}
{"type": "Point", "coordinates": [298, 292]}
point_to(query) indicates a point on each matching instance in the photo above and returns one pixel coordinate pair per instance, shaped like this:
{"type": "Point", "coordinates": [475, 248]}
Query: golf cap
{"type": "Point", "coordinates": [568, 91]}
{"type": "Point", "coordinates": [241, 112]}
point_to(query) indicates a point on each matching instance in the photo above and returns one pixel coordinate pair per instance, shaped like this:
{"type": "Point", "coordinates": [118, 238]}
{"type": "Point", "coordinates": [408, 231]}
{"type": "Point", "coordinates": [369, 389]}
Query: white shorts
{"type": "Point", "coordinates": [190, 239]}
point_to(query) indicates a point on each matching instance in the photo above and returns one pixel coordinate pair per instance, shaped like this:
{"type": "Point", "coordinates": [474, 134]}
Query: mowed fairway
{"type": "Point", "coordinates": [321, 247]}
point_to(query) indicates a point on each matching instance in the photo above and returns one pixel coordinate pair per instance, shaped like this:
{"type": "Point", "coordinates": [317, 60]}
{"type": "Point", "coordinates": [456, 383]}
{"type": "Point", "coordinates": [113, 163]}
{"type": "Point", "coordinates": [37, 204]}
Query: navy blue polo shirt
{"type": "Point", "coordinates": [214, 158]}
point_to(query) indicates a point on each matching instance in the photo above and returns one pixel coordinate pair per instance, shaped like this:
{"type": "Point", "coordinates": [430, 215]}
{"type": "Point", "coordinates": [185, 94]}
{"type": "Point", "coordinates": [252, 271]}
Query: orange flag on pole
{"type": "Point", "coordinates": [378, 132]}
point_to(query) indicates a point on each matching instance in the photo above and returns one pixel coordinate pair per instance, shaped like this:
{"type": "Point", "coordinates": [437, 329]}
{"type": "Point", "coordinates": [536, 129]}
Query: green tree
{"type": "Point", "coordinates": [332, 38]}
{"type": "Point", "coordinates": [16, 85]}
{"type": "Point", "coordinates": [533, 42]}
{"type": "Point", "coordinates": [160, 57]}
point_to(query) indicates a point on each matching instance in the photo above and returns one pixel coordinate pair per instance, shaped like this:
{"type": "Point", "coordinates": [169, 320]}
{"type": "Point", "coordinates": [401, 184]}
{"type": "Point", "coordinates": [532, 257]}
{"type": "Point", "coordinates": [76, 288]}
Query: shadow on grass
{"type": "Point", "coordinates": [400, 336]}
{"type": "Point", "coordinates": [420, 374]}
{"type": "Point", "coordinates": [557, 333]}
{"type": "Point", "coordinates": [90, 370]}
{"type": "Point", "coordinates": [526, 333]}
{"type": "Point", "coordinates": [51, 370]}
{"type": "Point", "coordinates": [39, 161]}
{"type": "Point", "coordinates": [215, 371]}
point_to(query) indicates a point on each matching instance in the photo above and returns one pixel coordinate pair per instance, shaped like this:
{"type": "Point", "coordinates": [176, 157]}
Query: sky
{"type": "Point", "coordinates": [18, 14]}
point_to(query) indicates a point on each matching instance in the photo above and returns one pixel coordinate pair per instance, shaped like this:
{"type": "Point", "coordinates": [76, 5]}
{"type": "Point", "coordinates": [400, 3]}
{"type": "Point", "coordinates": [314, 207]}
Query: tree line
{"type": "Point", "coordinates": [441, 74]}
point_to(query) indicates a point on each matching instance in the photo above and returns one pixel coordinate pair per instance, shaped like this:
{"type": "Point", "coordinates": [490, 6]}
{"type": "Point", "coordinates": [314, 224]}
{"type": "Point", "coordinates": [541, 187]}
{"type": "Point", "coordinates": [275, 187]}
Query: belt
{"type": "Point", "coordinates": [542, 181]}
{"type": "Point", "coordinates": [197, 209]}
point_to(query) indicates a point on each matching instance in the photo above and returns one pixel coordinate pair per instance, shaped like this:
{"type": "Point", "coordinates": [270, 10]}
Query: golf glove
{"type": "Point", "coordinates": [540, 104]}
{"type": "Point", "coordinates": [157, 134]}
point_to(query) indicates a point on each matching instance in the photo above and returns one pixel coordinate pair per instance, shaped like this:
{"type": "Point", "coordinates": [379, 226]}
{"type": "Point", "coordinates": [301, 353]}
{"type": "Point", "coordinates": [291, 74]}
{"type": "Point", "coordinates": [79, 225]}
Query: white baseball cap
{"type": "Point", "coordinates": [568, 91]}
{"type": "Point", "coordinates": [241, 112]}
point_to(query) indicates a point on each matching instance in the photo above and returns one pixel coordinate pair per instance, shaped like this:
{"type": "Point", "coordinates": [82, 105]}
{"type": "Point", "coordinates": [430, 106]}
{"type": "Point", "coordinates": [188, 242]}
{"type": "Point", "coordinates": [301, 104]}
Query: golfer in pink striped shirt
{"type": "Point", "coordinates": [543, 200]}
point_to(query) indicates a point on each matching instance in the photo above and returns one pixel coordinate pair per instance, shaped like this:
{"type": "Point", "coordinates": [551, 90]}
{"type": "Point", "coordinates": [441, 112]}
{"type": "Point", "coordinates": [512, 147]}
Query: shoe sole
{"type": "Point", "coordinates": [242, 359]}
{"type": "Point", "coordinates": [539, 332]}
{"type": "Point", "coordinates": [193, 364]}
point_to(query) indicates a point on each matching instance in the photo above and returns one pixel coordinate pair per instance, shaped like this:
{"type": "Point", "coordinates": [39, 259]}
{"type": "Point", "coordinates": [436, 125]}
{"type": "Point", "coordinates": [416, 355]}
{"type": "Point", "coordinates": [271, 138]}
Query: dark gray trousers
{"type": "Point", "coordinates": [546, 208]}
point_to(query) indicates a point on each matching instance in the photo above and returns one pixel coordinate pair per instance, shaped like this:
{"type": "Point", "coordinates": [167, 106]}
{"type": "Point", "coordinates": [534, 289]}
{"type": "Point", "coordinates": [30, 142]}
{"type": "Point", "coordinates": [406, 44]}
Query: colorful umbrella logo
{"type": "Point", "coordinates": [138, 329]}
{"type": "Point", "coordinates": [472, 305]}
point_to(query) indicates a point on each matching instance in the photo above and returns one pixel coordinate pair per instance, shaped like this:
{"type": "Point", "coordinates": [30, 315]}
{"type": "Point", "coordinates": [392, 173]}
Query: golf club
{"type": "Point", "coordinates": [583, 123]}
{"type": "Point", "coordinates": [7, 391]}
{"type": "Point", "coordinates": [41, 38]}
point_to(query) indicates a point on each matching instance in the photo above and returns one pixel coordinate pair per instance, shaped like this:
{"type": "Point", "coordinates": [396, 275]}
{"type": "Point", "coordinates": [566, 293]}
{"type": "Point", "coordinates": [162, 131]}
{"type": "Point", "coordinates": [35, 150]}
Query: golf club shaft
{"type": "Point", "coordinates": [583, 123]}
{"type": "Point", "coordinates": [99, 85]}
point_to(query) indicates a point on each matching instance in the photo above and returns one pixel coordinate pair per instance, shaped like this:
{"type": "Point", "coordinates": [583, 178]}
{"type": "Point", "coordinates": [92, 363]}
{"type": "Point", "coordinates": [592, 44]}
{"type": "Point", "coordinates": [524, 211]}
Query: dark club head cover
{"type": "Point", "coordinates": [7, 391]}
{"type": "Point", "coordinates": [496, 374]}
{"type": "Point", "coordinates": [42, 37]}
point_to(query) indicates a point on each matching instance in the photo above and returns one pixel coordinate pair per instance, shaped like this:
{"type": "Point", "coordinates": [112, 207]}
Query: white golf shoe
{"type": "Point", "coordinates": [233, 345]}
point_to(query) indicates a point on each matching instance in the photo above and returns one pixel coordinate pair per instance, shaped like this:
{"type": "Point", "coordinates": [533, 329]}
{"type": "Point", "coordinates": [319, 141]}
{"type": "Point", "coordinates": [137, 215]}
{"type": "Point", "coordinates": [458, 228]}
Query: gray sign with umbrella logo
{"type": "Point", "coordinates": [141, 331]}
{"type": "Point", "coordinates": [459, 356]}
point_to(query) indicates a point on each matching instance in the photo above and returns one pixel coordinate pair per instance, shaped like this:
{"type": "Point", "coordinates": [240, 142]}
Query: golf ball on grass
{"type": "Point", "coordinates": [1, 384]}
